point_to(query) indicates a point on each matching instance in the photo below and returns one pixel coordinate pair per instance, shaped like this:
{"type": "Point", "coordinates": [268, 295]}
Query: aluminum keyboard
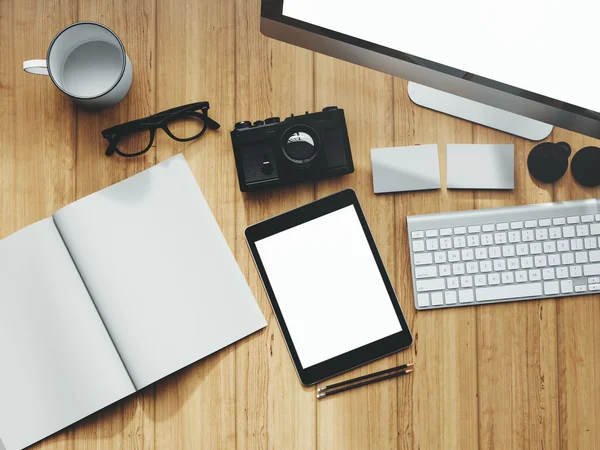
{"type": "Point", "coordinates": [505, 254]}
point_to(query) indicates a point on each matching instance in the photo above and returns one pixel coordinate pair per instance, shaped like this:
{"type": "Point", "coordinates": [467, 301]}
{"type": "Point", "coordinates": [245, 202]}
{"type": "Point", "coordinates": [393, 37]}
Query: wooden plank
{"type": "Point", "coordinates": [366, 417]}
{"type": "Point", "coordinates": [129, 423]}
{"type": "Point", "coordinates": [578, 337]}
{"type": "Point", "coordinates": [195, 408]}
{"type": "Point", "coordinates": [272, 79]}
{"type": "Point", "coordinates": [437, 406]}
{"type": "Point", "coordinates": [516, 341]}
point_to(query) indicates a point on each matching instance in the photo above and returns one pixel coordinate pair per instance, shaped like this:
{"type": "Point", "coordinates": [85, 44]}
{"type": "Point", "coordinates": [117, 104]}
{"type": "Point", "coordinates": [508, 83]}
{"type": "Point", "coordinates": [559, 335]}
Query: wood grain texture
{"type": "Point", "coordinates": [516, 375]}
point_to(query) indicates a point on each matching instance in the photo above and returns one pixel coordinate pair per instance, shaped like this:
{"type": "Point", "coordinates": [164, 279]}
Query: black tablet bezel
{"type": "Point", "coordinates": [353, 358]}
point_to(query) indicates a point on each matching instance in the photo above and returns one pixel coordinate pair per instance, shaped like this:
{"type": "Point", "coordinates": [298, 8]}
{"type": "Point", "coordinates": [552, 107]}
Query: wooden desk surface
{"type": "Point", "coordinates": [510, 376]}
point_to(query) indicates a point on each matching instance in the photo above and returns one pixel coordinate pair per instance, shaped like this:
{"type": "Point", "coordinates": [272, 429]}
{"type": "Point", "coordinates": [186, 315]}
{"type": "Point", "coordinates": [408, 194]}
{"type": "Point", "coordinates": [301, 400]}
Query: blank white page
{"type": "Point", "coordinates": [57, 362]}
{"type": "Point", "coordinates": [543, 46]}
{"type": "Point", "coordinates": [328, 286]}
{"type": "Point", "coordinates": [159, 270]}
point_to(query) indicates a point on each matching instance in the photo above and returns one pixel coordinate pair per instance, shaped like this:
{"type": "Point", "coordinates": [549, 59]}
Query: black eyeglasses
{"type": "Point", "coordinates": [127, 139]}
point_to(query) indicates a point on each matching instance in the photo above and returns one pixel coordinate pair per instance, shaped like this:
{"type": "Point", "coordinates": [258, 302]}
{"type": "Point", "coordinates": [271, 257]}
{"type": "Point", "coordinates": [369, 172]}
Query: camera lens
{"type": "Point", "coordinates": [300, 144]}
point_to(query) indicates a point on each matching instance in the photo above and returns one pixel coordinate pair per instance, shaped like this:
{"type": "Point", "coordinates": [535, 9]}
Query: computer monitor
{"type": "Point", "coordinates": [515, 65]}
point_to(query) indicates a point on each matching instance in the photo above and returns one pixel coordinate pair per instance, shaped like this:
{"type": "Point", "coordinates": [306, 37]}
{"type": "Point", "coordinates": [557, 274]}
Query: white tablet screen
{"type": "Point", "coordinates": [328, 286]}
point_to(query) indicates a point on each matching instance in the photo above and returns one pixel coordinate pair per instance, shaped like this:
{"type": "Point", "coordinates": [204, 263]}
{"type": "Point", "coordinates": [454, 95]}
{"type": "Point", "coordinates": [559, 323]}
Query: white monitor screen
{"type": "Point", "coordinates": [543, 46]}
{"type": "Point", "coordinates": [328, 286]}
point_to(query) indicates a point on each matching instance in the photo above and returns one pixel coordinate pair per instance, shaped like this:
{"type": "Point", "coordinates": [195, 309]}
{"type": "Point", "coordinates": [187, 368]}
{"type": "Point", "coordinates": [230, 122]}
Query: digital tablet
{"type": "Point", "coordinates": [328, 287]}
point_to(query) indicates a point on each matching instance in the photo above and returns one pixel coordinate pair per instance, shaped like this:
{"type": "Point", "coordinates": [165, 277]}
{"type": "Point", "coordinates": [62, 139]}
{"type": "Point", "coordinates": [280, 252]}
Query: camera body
{"type": "Point", "coordinates": [301, 148]}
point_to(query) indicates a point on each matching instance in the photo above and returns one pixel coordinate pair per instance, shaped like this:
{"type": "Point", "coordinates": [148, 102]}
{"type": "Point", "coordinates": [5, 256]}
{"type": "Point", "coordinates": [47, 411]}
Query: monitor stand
{"type": "Point", "coordinates": [478, 112]}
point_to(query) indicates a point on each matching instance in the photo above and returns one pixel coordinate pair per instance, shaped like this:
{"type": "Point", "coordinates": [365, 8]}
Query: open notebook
{"type": "Point", "coordinates": [110, 294]}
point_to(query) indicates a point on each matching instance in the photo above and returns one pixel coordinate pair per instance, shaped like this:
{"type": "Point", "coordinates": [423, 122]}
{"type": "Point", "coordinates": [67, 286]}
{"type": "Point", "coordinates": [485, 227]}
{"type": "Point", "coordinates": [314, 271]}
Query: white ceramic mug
{"type": "Point", "coordinates": [86, 61]}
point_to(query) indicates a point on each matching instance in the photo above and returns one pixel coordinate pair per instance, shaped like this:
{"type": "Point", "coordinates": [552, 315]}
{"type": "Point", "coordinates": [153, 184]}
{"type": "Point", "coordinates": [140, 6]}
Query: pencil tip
{"type": "Point", "coordinates": [320, 389]}
{"type": "Point", "coordinates": [410, 364]}
{"type": "Point", "coordinates": [320, 395]}
{"type": "Point", "coordinates": [409, 371]}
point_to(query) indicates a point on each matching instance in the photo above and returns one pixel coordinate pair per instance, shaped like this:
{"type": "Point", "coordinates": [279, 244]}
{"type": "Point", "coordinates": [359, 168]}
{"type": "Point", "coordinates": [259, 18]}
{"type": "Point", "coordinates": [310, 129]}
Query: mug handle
{"type": "Point", "coordinates": [36, 66]}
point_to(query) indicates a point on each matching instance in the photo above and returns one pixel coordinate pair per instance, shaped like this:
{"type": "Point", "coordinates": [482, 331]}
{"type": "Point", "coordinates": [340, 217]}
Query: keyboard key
{"type": "Point", "coordinates": [460, 230]}
{"type": "Point", "coordinates": [555, 233]}
{"type": "Point", "coordinates": [508, 251]}
{"type": "Point", "coordinates": [558, 221]}
{"type": "Point", "coordinates": [593, 280]}
{"type": "Point", "coordinates": [445, 243]}
{"type": "Point", "coordinates": [516, 225]}
{"type": "Point", "coordinates": [551, 287]}
{"type": "Point", "coordinates": [422, 259]}
{"type": "Point", "coordinates": [589, 243]}
{"type": "Point", "coordinates": [458, 269]}
{"type": "Point", "coordinates": [576, 244]}
{"type": "Point", "coordinates": [502, 226]}
{"type": "Point", "coordinates": [567, 258]}
{"type": "Point", "coordinates": [452, 282]}
{"type": "Point", "coordinates": [417, 234]}
{"type": "Point", "coordinates": [541, 234]}
{"type": "Point", "coordinates": [485, 266]}
{"type": "Point", "coordinates": [581, 257]}
{"type": "Point", "coordinates": [481, 253]}
{"type": "Point", "coordinates": [446, 232]}
{"type": "Point", "coordinates": [535, 275]}
{"type": "Point", "coordinates": [522, 249]}
{"type": "Point", "coordinates": [582, 230]}
{"type": "Point", "coordinates": [530, 223]}
{"type": "Point", "coordinates": [573, 219]}
{"type": "Point", "coordinates": [436, 284]}
{"type": "Point", "coordinates": [549, 247]}
{"type": "Point", "coordinates": [562, 246]}
{"type": "Point", "coordinates": [521, 276]}
{"type": "Point", "coordinates": [459, 242]}
{"type": "Point", "coordinates": [418, 246]}
{"type": "Point", "coordinates": [467, 254]}
{"type": "Point", "coordinates": [431, 244]}
{"type": "Point", "coordinates": [566, 286]}
{"type": "Point", "coordinates": [425, 272]}
{"type": "Point", "coordinates": [527, 262]}
{"type": "Point", "coordinates": [512, 263]}
{"type": "Point", "coordinates": [535, 248]}
{"type": "Point", "coordinates": [594, 287]}
{"type": "Point", "coordinates": [500, 238]}
{"type": "Point", "coordinates": [423, 300]}
{"type": "Point", "coordinates": [595, 229]}
{"type": "Point", "coordinates": [514, 237]}
{"type": "Point", "coordinates": [581, 288]}
{"type": "Point", "coordinates": [499, 265]}
{"type": "Point", "coordinates": [545, 222]}
{"type": "Point", "coordinates": [453, 256]}
{"type": "Point", "coordinates": [597, 217]}
{"type": "Point", "coordinates": [548, 273]}
{"type": "Point", "coordinates": [507, 278]}
{"type": "Point", "coordinates": [473, 240]}
{"type": "Point", "coordinates": [472, 267]}
{"type": "Point", "coordinates": [587, 218]}
{"type": "Point", "coordinates": [466, 296]}
{"type": "Point", "coordinates": [493, 278]}
{"type": "Point", "coordinates": [540, 261]}
{"type": "Point", "coordinates": [466, 281]}
{"type": "Point", "coordinates": [487, 239]}
{"type": "Point", "coordinates": [575, 271]}
{"type": "Point", "coordinates": [474, 229]}
{"type": "Point", "coordinates": [591, 270]}
{"type": "Point", "coordinates": [527, 235]}
{"type": "Point", "coordinates": [450, 297]}
{"type": "Point", "coordinates": [487, 294]}
{"type": "Point", "coordinates": [554, 259]}
{"type": "Point", "coordinates": [439, 257]}
{"type": "Point", "coordinates": [480, 280]}
{"type": "Point", "coordinates": [444, 270]}
{"type": "Point", "coordinates": [437, 299]}
{"type": "Point", "coordinates": [431, 233]}
{"type": "Point", "coordinates": [568, 231]}
{"type": "Point", "coordinates": [594, 255]}
{"type": "Point", "coordinates": [488, 227]}
{"type": "Point", "coordinates": [495, 252]}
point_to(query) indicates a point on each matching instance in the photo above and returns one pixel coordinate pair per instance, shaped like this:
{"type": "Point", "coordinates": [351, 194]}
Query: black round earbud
{"type": "Point", "coordinates": [585, 166]}
{"type": "Point", "coordinates": [547, 162]}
